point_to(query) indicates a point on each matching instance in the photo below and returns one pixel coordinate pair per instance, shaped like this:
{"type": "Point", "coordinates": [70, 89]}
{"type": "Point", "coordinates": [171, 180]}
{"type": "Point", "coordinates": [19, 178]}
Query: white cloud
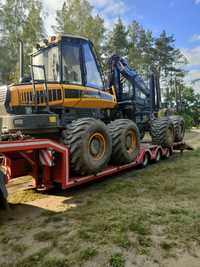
{"type": "Point", "coordinates": [109, 7]}
{"type": "Point", "coordinates": [195, 37]}
{"type": "Point", "coordinates": [110, 10]}
{"type": "Point", "coordinates": [193, 67]}
{"type": "Point", "coordinates": [192, 55]}
{"type": "Point", "coordinates": [191, 77]}
{"type": "Point", "coordinates": [197, 2]}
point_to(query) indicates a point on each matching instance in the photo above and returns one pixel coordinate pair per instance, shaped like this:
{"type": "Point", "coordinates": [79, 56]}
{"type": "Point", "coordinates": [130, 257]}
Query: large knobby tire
{"type": "Point", "coordinates": [125, 141]}
{"type": "Point", "coordinates": [162, 132]}
{"type": "Point", "coordinates": [179, 127]}
{"type": "Point", "coordinates": [90, 145]}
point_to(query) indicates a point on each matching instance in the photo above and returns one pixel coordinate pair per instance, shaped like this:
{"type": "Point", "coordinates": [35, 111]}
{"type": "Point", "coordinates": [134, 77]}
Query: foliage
{"type": "Point", "coordinates": [191, 107]}
{"type": "Point", "coordinates": [189, 122]}
{"type": "Point", "coordinates": [19, 19]}
{"type": "Point", "coordinates": [76, 17]}
{"type": "Point", "coordinates": [117, 39]}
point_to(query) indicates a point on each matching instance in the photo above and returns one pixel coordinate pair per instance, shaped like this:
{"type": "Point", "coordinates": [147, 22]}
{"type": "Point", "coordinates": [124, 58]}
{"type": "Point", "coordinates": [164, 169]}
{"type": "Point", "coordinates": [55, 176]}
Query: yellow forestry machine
{"type": "Point", "coordinates": [67, 99]}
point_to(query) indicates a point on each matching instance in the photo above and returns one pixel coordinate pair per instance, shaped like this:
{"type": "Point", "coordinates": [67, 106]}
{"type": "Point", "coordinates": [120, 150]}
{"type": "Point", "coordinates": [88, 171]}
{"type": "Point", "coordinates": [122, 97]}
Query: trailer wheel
{"type": "Point", "coordinates": [158, 156]}
{"type": "Point", "coordinates": [162, 132]}
{"type": "Point", "coordinates": [167, 154]}
{"type": "Point", "coordinates": [179, 127]}
{"type": "Point", "coordinates": [145, 160]}
{"type": "Point", "coordinates": [125, 141]}
{"type": "Point", "coordinates": [90, 145]}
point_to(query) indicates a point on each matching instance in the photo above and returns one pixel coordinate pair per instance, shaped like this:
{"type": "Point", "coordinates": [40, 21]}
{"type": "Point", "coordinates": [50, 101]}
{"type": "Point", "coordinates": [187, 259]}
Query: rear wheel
{"type": "Point", "coordinates": [90, 145]}
{"type": "Point", "coordinates": [179, 128]}
{"type": "Point", "coordinates": [125, 141]}
{"type": "Point", "coordinates": [162, 132]}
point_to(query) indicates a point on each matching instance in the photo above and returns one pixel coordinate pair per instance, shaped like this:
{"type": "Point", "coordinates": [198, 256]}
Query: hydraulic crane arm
{"type": "Point", "coordinates": [119, 68]}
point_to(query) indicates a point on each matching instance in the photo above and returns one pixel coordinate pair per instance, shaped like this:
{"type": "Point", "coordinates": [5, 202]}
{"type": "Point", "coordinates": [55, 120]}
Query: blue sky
{"type": "Point", "coordinates": [178, 17]}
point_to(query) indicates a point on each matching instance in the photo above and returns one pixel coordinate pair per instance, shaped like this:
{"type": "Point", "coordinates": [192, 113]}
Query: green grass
{"type": "Point", "coordinates": [45, 236]}
{"type": "Point", "coordinates": [88, 253]}
{"type": "Point", "coordinates": [117, 260]}
{"type": "Point", "coordinates": [136, 213]}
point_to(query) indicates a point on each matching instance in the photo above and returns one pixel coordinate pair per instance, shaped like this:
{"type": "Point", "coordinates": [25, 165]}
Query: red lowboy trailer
{"type": "Point", "coordinates": [48, 162]}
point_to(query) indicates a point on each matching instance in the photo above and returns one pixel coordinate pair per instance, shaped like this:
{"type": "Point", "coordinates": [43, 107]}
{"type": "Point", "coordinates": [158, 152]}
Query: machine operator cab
{"type": "Point", "coordinates": [68, 59]}
{"type": "Point", "coordinates": [65, 73]}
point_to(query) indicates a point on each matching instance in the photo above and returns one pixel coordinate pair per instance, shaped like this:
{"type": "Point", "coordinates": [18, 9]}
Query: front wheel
{"type": "Point", "coordinates": [125, 141]}
{"type": "Point", "coordinates": [90, 145]}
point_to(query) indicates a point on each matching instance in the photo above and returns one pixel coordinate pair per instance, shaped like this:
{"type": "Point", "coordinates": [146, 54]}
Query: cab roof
{"type": "Point", "coordinates": [54, 39]}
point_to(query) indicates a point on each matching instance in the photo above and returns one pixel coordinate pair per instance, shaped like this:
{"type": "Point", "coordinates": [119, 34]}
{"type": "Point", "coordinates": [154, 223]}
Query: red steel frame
{"type": "Point", "coordinates": [23, 157]}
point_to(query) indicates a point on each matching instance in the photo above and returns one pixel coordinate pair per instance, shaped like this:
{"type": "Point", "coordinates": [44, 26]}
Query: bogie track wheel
{"type": "Point", "coordinates": [179, 128]}
{"type": "Point", "coordinates": [162, 132]}
{"type": "Point", "coordinates": [125, 141]}
{"type": "Point", "coordinates": [90, 145]}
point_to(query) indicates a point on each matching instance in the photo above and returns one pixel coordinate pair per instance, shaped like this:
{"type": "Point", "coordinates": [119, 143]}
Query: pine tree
{"type": "Point", "coordinates": [19, 19]}
{"type": "Point", "coordinates": [75, 17]}
{"type": "Point", "coordinates": [140, 47]}
{"type": "Point", "coordinates": [117, 39]}
{"type": "Point", "coordinates": [165, 60]}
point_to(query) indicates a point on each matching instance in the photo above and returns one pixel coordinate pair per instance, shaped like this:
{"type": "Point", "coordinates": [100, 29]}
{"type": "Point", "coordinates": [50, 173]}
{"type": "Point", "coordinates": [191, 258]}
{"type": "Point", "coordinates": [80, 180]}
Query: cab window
{"type": "Point", "coordinates": [93, 75]}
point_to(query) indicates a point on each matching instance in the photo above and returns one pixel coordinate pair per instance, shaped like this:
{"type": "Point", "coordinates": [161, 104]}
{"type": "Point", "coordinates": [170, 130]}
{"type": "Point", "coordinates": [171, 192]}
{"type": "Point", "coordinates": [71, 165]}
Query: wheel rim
{"type": "Point", "coordinates": [146, 160]}
{"type": "Point", "coordinates": [158, 156]}
{"type": "Point", "coordinates": [167, 154]}
{"type": "Point", "coordinates": [97, 146]}
{"type": "Point", "coordinates": [130, 141]}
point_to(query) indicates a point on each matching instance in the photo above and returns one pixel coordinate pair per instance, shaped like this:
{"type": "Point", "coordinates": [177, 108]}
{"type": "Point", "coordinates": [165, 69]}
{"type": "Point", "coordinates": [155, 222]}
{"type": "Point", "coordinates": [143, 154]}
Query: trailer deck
{"type": "Point", "coordinates": [48, 162]}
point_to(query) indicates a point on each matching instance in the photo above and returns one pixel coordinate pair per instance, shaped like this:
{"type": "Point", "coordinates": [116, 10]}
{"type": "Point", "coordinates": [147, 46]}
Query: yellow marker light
{"type": "Point", "coordinates": [52, 119]}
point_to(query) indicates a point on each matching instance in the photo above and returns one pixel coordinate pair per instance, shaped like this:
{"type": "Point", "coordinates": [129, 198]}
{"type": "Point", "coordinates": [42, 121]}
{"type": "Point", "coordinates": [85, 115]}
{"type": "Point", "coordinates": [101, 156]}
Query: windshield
{"type": "Point", "coordinates": [93, 74]}
{"type": "Point", "coordinates": [50, 59]}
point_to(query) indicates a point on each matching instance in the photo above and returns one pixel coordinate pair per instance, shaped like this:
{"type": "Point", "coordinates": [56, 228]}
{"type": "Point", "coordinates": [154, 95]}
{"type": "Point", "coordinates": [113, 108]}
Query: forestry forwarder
{"type": "Point", "coordinates": [66, 99]}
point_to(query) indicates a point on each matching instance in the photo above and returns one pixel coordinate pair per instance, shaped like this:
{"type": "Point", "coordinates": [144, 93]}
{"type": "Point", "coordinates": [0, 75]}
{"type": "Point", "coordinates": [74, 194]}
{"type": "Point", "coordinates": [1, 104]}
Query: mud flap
{"type": "Point", "coordinates": [3, 192]}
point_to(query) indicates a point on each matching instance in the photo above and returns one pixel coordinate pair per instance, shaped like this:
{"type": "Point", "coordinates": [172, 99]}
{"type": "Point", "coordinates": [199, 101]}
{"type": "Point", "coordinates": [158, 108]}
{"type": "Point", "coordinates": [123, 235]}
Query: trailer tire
{"type": "Point", "coordinates": [162, 132]}
{"type": "Point", "coordinates": [90, 145]}
{"type": "Point", "coordinates": [125, 141]}
{"type": "Point", "coordinates": [179, 128]}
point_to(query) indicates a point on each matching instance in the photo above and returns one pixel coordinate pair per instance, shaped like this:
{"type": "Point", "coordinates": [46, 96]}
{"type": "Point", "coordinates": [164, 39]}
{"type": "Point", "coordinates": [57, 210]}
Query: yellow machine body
{"type": "Point", "coordinates": [62, 95]}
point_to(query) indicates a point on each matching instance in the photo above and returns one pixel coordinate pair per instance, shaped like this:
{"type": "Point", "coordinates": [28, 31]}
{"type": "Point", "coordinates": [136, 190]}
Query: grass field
{"type": "Point", "coordinates": [141, 218]}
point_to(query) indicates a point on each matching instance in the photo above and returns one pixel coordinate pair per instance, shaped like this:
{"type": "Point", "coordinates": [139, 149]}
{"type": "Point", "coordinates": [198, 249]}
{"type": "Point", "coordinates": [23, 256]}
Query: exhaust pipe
{"type": "Point", "coordinates": [21, 61]}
